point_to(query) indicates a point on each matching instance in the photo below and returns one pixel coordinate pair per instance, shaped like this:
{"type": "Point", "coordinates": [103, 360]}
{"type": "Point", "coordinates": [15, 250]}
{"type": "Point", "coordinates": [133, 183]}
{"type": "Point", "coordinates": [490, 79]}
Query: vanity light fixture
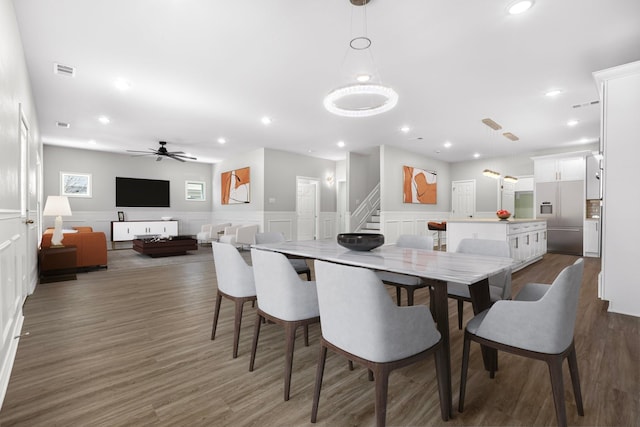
{"type": "Point", "coordinates": [491, 174]}
{"type": "Point", "coordinates": [510, 136]}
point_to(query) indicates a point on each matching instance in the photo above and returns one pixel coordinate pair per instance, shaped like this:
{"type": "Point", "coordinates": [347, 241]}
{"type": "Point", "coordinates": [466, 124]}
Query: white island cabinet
{"type": "Point", "coordinates": [527, 237]}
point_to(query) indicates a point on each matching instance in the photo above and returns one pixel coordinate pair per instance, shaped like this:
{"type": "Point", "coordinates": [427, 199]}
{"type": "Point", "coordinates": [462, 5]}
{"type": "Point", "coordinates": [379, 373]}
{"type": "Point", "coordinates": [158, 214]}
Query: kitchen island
{"type": "Point", "coordinates": [527, 237]}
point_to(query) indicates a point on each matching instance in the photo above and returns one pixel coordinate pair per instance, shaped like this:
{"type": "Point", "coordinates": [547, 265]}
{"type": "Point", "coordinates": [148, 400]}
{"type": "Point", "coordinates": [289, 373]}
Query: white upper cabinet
{"type": "Point", "coordinates": [550, 169]}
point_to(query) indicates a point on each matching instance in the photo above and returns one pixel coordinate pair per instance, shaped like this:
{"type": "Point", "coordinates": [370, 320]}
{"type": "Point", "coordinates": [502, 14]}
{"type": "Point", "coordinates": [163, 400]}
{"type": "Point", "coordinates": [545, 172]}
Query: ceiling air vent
{"type": "Point", "coordinates": [510, 136]}
{"type": "Point", "coordinates": [493, 125]}
{"type": "Point", "coordinates": [586, 104]}
{"type": "Point", "coordinates": [64, 70]}
{"type": "Point", "coordinates": [63, 125]}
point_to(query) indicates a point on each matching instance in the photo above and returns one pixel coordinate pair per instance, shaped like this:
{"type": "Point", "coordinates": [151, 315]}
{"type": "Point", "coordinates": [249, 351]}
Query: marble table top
{"type": "Point", "coordinates": [436, 265]}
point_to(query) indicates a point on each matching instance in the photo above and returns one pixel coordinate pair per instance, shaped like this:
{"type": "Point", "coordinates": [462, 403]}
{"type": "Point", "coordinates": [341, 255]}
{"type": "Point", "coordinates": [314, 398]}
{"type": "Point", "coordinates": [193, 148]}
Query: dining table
{"type": "Point", "coordinates": [435, 268]}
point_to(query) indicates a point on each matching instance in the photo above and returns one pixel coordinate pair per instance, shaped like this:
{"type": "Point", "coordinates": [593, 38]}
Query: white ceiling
{"type": "Point", "coordinates": [204, 69]}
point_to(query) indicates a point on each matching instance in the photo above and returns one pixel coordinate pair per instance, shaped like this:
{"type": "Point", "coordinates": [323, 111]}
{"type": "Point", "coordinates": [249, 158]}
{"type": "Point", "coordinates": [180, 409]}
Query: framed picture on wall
{"type": "Point", "coordinates": [74, 184]}
{"type": "Point", "coordinates": [419, 186]}
{"type": "Point", "coordinates": [120, 216]}
{"type": "Point", "coordinates": [236, 186]}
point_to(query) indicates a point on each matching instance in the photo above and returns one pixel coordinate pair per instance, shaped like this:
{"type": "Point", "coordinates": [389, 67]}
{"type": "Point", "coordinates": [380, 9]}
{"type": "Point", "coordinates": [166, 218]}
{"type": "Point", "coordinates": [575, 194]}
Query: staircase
{"type": "Point", "coordinates": [373, 223]}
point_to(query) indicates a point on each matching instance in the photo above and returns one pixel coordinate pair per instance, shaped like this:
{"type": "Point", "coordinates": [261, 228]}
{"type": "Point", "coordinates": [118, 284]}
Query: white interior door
{"type": "Point", "coordinates": [508, 199]}
{"type": "Point", "coordinates": [307, 208]}
{"type": "Point", "coordinates": [463, 199]}
{"type": "Point", "coordinates": [29, 207]}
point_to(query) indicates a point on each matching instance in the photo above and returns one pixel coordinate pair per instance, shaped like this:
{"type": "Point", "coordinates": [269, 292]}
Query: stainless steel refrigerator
{"type": "Point", "coordinates": [562, 205]}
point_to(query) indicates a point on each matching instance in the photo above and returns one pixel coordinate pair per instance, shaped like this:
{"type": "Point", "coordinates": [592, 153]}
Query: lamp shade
{"type": "Point", "coordinates": [57, 206]}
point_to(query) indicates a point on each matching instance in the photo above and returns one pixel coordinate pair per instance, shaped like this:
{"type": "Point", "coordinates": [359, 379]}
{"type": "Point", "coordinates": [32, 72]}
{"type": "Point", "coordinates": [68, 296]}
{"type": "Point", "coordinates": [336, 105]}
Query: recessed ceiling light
{"type": "Point", "coordinates": [476, 155]}
{"type": "Point", "coordinates": [222, 141]}
{"type": "Point", "coordinates": [266, 120]}
{"type": "Point", "coordinates": [363, 78]}
{"type": "Point", "coordinates": [447, 144]}
{"type": "Point", "coordinates": [519, 6]}
{"type": "Point", "coordinates": [122, 84]}
{"type": "Point", "coordinates": [572, 122]}
{"type": "Point", "coordinates": [104, 120]}
{"type": "Point", "coordinates": [405, 129]}
{"type": "Point", "coordinates": [552, 93]}
{"type": "Point", "coordinates": [340, 144]}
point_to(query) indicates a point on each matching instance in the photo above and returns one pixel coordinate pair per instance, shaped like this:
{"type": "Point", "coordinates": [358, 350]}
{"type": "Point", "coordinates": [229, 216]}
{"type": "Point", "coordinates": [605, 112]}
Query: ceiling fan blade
{"type": "Point", "coordinates": [176, 158]}
{"type": "Point", "coordinates": [183, 156]}
{"type": "Point", "coordinates": [137, 151]}
{"type": "Point", "coordinates": [142, 155]}
{"type": "Point", "coordinates": [175, 152]}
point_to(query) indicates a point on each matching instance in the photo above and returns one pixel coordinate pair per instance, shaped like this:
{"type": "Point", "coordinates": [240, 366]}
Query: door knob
{"type": "Point", "coordinates": [29, 221]}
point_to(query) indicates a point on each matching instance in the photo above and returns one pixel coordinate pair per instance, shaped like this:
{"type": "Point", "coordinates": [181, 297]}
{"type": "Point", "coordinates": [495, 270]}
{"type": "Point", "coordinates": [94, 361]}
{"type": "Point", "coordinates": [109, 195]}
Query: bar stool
{"type": "Point", "coordinates": [439, 227]}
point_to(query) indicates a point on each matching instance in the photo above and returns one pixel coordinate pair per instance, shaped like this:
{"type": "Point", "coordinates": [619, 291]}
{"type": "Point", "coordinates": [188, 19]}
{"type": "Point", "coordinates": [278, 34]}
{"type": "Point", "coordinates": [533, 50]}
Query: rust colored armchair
{"type": "Point", "coordinates": [91, 245]}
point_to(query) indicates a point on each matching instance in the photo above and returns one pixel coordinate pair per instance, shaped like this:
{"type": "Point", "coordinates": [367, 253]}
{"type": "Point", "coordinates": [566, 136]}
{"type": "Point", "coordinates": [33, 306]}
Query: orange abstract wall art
{"type": "Point", "coordinates": [236, 186]}
{"type": "Point", "coordinates": [419, 186]}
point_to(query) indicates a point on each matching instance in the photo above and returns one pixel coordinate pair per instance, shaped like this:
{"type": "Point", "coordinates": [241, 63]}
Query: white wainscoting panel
{"type": "Point", "coordinates": [12, 294]}
{"type": "Point", "coordinates": [394, 223]}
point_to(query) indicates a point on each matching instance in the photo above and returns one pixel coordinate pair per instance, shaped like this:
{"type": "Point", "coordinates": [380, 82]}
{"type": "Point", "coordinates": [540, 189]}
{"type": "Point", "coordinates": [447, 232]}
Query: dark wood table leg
{"type": "Point", "coordinates": [442, 320]}
{"type": "Point", "coordinates": [481, 300]}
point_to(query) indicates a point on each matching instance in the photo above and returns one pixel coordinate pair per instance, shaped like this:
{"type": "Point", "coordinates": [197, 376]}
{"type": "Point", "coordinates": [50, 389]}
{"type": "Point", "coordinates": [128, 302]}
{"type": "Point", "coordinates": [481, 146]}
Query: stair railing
{"type": "Point", "coordinates": [368, 206]}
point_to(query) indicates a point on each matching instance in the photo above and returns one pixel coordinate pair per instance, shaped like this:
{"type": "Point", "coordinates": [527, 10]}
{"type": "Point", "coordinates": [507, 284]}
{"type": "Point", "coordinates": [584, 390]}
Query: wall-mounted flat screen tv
{"type": "Point", "coordinates": [136, 192]}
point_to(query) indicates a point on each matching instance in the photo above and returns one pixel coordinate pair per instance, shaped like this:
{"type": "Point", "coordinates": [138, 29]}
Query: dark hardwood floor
{"type": "Point", "coordinates": [130, 346]}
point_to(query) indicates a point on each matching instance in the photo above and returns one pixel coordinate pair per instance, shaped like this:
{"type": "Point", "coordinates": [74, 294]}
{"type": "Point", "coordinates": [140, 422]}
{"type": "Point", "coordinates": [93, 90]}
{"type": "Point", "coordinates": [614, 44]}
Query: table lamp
{"type": "Point", "coordinates": [57, 206]}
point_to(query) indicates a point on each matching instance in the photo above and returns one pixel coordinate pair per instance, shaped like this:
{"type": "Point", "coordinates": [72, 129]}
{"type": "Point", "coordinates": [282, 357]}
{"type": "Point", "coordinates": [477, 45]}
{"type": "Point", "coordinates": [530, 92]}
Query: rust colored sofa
{"type": "Point", "coordinates": [91, 245]}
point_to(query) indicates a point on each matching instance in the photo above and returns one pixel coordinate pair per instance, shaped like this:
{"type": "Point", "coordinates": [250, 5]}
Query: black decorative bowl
{"type": "Point", "coordinates": [360, 241]}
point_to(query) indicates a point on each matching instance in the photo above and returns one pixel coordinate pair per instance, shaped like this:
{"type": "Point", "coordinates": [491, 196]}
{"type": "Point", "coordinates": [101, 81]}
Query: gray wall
{"type": "Point", "coordinates": [363, 172]}
{"type": "Point", "coordinates": [392, 161]}
{"type": "Point", "coordinates": [104, 167]}
{"type": "Point", "coordinates": [280, 171]}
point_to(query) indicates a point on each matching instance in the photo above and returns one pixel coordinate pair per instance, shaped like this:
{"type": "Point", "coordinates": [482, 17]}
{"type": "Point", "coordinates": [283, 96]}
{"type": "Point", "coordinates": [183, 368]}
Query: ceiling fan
{"type": "Point", "coordinates": [162, 152]}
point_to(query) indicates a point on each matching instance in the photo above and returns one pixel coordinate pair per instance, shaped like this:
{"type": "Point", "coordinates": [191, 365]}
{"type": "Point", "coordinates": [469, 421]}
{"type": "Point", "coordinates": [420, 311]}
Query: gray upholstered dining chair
{"type": "Point", "coordinates": [360, 322]}
{"type": "Point", "coordinates": [299, 264]}
{"type": "Point", "coordinates": [283, 298]}
{"type": "Point", "coordinates": [235, 282]}
{"type": "Point", "coordinates": [499, 285]}
{"type": "Point", "coordinates": [539, 326]}
{"type": "Point", "coordinates": [402, 281]}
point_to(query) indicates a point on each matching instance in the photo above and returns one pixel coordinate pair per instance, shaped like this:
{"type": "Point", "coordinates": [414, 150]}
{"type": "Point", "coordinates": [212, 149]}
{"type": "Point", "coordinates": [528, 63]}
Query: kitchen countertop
{"type": "Point", "coordinates": [496, 220]}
